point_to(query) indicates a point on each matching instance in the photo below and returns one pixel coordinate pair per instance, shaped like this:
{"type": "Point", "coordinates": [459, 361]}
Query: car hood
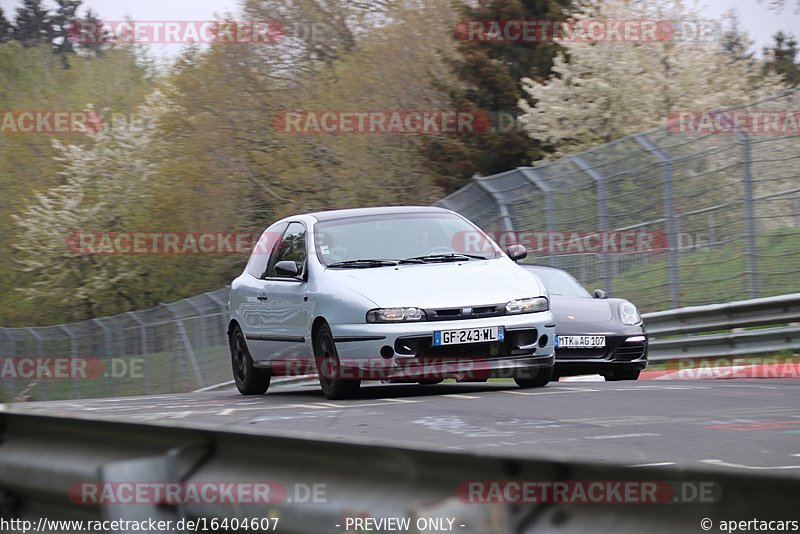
{"type": "Point", "coordinates": [580, 310]}
{"type": "Point", "coordinates": [441, 285]}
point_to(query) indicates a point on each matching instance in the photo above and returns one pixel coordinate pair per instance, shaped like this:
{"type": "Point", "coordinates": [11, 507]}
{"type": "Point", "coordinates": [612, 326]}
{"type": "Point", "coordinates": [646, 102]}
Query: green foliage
{"type": "Point", "coordinates": [488, 82]}
{"type": "Point", "coordinates": [782, 58]}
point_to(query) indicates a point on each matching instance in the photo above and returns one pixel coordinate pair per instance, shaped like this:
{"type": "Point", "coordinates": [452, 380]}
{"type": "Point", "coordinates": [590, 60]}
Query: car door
{"type": "Point", "coordinates": [251, 293]}
{"type": "Point", "coordinates": [287, 309]}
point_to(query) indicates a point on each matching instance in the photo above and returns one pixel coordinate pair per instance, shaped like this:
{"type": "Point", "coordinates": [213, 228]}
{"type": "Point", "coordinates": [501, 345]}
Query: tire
{"type": "Point", "coordinates": [328, 367]}
{"type": "Point", "coordinates": [430, 382]}
{"type": "Point", "coordinates": [541, 379]}
{"type": "Point", "coordinates": [249, 380]}
{"type": "Point", "coordinates": [622, 374]}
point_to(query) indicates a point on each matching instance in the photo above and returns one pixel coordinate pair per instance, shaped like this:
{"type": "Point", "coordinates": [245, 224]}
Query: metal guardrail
{"type": "Point", "coordinates": [756, 326]}
{"type": "Point", "coordinates": [43, 458]}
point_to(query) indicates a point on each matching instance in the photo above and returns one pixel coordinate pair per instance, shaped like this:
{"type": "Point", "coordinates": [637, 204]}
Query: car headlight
{"type": "Point", "coordinates": [628, 314]}
{"type": "Point", "coordinates": [536, 304]}
{"type": "Point", "coordinates": [395, 315]}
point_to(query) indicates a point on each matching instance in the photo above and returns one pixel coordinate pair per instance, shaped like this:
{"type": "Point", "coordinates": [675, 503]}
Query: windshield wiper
{"type": "Point", "coordinates": [367, 263]}
{"type": "Point", "coordinates": [448, 257]}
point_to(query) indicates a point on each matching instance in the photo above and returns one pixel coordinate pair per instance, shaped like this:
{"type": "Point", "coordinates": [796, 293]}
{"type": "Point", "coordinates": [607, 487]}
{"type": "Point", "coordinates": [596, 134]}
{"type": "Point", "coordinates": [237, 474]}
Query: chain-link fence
{"type": "Point", "coordinates": [171, 348]}
{"type": "Point", "coordinates": [666, 218]}
{"type": "Point", "coordinates": [663, 218]}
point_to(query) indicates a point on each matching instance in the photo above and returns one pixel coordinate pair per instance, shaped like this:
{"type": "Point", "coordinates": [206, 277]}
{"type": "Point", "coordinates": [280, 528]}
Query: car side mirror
{"type": "Point", "coordinates": [287, 268]}
{"type": "Point", "coordinates": [516, 252]}
{"type": "Point", "coordinates": [599, 294]}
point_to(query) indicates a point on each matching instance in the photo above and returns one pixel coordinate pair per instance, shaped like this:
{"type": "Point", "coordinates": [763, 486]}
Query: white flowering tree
{"type": "Point", "coordinates": [106, 183]}
{"type": "Point", "coordinates": [600, 91]}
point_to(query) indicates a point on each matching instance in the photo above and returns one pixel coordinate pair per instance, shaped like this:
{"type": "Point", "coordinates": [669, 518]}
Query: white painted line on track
{"type": "Point", "coordinates": [656, 464]}
{"type": "Point", "coordinates": [460, 396]}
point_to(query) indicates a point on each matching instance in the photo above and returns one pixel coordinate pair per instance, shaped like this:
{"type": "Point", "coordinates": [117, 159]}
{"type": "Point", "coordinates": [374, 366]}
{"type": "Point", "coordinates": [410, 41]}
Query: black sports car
{"type": "Point", "coordinates": [594, 334]}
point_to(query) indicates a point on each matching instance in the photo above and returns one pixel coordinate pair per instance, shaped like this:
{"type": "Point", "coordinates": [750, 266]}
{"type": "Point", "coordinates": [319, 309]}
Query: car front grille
{"type": "Point", "coordinates": [465, 312]}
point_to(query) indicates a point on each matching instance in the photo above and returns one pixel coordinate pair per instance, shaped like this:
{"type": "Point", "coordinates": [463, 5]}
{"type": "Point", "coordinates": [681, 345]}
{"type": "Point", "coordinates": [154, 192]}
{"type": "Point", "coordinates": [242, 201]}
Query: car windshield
{"type": "Point", "coordinates": [559, 282]}
{"type": "Point", "coordinates": [387, 239]}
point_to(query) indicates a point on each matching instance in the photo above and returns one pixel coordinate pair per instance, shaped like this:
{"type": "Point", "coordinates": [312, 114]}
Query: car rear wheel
{"type": "Point", "coordinates": [542, 377]}
{"type": "Point", "coordinates": [328, 367]}
{"type": "Point", "coordinates": [622, 374]}
{"type": "Point", "coordinates": [249, 380]}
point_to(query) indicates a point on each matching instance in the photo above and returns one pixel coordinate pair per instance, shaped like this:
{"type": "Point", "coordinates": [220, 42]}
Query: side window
{"type": "Point", "coordinates": [257, 266]}
{"type": "Point", "coordinates": [292, 247]}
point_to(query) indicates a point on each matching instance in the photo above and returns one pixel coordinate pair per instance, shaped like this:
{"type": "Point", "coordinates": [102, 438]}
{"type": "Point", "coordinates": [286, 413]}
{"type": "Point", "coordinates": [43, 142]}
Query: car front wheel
{"type": "Point", "coordinates": [328, 367]}
{"type": "Point", "coordinates": [249, 380]}
{"type": "Point", "coordinates": [541, 378]}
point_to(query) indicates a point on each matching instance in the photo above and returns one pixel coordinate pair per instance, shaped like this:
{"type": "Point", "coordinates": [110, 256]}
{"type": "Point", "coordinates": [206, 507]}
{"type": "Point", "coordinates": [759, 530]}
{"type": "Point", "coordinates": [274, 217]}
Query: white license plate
{"type": "Point", "coordinates": [581, 342]}
{"type": "Point", "coordinates": [468, 335]}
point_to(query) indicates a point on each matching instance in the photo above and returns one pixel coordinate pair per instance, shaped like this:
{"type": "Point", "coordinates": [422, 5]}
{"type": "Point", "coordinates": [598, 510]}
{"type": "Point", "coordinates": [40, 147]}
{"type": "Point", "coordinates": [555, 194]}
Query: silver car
{"type": "Point", "coordinates": [386, 294]}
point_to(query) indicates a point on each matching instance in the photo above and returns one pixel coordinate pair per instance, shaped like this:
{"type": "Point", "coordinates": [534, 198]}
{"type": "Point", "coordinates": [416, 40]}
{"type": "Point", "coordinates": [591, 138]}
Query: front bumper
{"type": "Point", "coordinates": [622, 350]}
{"type": "Point", "coordinates": [405, 350]}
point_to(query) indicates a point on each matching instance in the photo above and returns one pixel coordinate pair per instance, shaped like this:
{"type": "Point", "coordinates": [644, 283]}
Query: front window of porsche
{"type": "Point", "coordinates": [400, 237]}
{"type": "Point", "coordinates": [561, 283]}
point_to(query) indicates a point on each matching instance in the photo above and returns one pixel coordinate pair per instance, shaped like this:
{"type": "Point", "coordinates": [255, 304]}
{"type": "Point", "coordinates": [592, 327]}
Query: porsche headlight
{"type": "Point", "coordinates": [395, 315]}
{"type": "Point", "coordinates": [536, 304]}
{"type": "Point", "coordinates": [628, 314]}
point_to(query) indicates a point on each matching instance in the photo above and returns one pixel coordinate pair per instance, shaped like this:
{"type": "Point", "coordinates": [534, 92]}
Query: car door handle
{"type": "Point", "coordinates": [262, 297]}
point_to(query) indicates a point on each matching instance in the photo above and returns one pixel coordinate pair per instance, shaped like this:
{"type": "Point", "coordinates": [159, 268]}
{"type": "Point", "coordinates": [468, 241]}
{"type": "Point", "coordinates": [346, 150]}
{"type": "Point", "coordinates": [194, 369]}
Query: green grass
{"type": "Point", "coordinates": [717, 274]}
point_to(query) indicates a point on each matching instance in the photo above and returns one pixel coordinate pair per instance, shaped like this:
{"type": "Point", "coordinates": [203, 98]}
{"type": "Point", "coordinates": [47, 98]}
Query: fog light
{"type": "Point", "coordinates": [543, 341]}
{"type": "Point", "coordinates": [387, 352]}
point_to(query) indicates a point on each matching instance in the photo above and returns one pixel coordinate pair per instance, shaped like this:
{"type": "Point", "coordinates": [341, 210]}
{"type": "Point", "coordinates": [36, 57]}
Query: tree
{"type": "Point", "coordinates": [106, 185]}
{"type": "Point", "coordinates": [6, 30]}
{"type": "Point", "coordinates": [31, 23]}
{"type": "Point", "coordinates": [489, 74]}
{"type": "Point", "coordinates": [781, 58]}
{"type": "Point", "coordinates": [601, 91]}
{"type": "Point", "coordinates": [61, 27]}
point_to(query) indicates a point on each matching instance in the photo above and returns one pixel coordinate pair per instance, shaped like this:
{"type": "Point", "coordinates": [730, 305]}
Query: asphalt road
{"type": "Point", "coordinates": [743, 425]}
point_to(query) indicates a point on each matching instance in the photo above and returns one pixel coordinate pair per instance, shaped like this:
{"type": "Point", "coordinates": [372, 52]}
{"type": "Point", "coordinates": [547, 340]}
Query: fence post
{"type": "Point", "coordinates": [41, 383]}
{"type": "Point", "coordinates": [751, 252]}
{"type": "Point", "coordinates": [669, 214]}
{"type": "Point", "coordinates": [533, 177]}
{"type": "Point", "coordinates": [183, 336]}
{"type": "Point", "coordinates": [8, 385]}
{"type": "Point", "coordinates": [602, 212]}
{"type": "Point", "coordinates": [505, 217]}
{"type": "Point", "coordinates": [108, 354]}
{"type": "Point", "coordinates": [73, 349]}
{"type": "Point", "coordinates": [143, 343]}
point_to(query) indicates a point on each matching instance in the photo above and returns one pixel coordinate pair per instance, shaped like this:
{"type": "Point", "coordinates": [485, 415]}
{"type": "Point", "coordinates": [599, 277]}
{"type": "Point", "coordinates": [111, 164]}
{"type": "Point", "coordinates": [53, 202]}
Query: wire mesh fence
{"type": "Point", "coordinates": [171, 348]}
{"type": "Point", "coordinates": [665, 218]}
{"type": "Point", "coordinates": [662, 218]}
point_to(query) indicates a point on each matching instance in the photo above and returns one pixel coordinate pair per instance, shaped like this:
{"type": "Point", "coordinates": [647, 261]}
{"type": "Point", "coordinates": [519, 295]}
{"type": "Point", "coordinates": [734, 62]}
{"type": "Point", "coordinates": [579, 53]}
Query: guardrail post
{"type": "Point", "coordinates": [533, 177]}
{"type": "Point", "coordinates": [143, 343]}
{"type": "Point", "coordinates": [602, 213]}
{"type": "Point", "coordinates": [669, 215]}
{"type": "Point", "coordinates": [73, 349]}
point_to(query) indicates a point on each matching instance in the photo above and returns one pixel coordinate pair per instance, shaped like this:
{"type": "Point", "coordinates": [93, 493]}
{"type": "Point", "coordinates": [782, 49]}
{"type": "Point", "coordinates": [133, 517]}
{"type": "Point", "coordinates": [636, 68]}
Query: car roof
{"type": "Point", "coordinates": [384, 210]}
